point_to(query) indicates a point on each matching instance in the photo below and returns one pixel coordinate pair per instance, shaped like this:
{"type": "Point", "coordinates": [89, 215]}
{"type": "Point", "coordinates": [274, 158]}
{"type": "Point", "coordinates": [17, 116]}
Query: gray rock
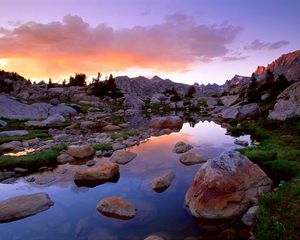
{"type": "Point", "coordinates": [182, 147]}
{"type": "Point", "coordinates": [64, 110]}
{"type": "Point", "coordinates": [118, 146]}
{"type": "Point", "coordinates": [23, 206]}
{"type": "Point", "coordinates": [241, 142]}
{"type": "Point", "coordinates": [11, 146]}
{"type": "Point", "coordinates": [90, 163]}
{"type": "Point", "coordinates": [251, 110]}
{"type": "Point", "coordinates": [287, 103]}
{"type": "Point", "coordinates": [13, 133]}
{"type": "Point", "coordinates": [55, 118]}
{"type": "Point", "coordinates": [117, 208]}
{"type": "Point", "coordinates": [6, 175]}
{"type": "Point", "coordinates": [122, 156]}
{"type": "Point", "coordinates": [3, 123]}
{"type": "Point", "coordinates": [64, 157]}
{"type": "Point", "coordinates": [44, 179]}
{"type": "Point", "coordinates": [229, 100]}
{"type": "Point", "coordinates": [54, 101]}
{"type": "Point", "coordinates": [249, 217]}
{"type": "Point", "coordinates": [161, 183]}
{"type": "Point", "coordinates": [191, 158]}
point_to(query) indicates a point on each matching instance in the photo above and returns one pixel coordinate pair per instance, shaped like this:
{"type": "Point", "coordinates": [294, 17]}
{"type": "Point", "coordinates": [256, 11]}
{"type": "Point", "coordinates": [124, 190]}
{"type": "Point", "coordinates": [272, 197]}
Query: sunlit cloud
{"type": "Point", "coordinates": [72, 45]}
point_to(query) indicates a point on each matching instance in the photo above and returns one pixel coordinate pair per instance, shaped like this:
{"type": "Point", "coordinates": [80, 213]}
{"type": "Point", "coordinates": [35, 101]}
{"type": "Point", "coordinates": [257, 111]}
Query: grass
{"type": "Point", "coordinates": [124, 134]}
{"type": "Point", "coordinates": [33, 160]}
{"type": "Point", "coordinates": [102, 146]}
{"type": "Point", "coordinates": [279, 156]}
{"type": "Point", "coordinates": [43, 134]}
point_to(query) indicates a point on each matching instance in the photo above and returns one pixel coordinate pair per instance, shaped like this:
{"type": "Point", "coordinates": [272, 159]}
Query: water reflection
{"type": "Point", "coordinates": [74, 215]}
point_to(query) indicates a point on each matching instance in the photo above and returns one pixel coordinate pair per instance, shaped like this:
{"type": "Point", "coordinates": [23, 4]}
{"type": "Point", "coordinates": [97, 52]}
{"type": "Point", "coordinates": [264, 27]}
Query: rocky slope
{"type": "Point", "coordinates": [288, 64]}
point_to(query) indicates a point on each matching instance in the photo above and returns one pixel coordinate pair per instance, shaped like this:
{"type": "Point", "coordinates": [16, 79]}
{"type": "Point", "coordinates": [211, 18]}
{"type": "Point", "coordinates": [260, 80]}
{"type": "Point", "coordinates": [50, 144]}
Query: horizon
{"type": "Point", "coordinates": [195, 41]}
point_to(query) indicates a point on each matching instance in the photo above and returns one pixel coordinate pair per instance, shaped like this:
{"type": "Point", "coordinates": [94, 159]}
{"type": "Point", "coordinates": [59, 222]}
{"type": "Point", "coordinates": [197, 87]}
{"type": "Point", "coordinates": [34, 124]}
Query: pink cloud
{"type": "Point", "coordinates": [73, 45]}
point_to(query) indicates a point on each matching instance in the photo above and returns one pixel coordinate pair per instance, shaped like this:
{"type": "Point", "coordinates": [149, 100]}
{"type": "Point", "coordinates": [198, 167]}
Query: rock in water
{"type": "Point", "coordinates": [23, 206]}
{"type": "Point", "coordinates": [162, 182]}
{"type": "Point", "coordinates": [108, 172]}
{"type": "Point", "coordinates": [117, 208]}
{"type": "Point", "coordinates": [122, 156]}
{"type": "Point", "coordinates": [241, 142]}
{"type": "Point", "coordinates": [182, 147]}
{"type": "Point", "coordinates": [225, 187]}
{"type": "Point", "coordinates": [153, 237]}
{"type": "Point", "coordinates": [172, 122]}
{"type": "Point", "coordinates": [191, 158]}
{"type": "Point", "coordinates": [81, 151]}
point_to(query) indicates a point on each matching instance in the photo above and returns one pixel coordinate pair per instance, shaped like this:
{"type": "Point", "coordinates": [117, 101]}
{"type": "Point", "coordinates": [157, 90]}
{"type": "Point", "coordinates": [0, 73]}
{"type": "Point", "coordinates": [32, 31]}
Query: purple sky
{"type": "Point", "coordinates": [187, 41]}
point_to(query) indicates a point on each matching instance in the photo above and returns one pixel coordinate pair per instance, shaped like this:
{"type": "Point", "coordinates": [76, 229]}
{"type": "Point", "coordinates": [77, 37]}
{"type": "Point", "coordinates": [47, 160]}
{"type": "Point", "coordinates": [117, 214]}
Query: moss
{"type": "Point", "coordinates": [281, 169]}
{"type": "Point", "coordinates": [102, 146]}
{"type": "Point", "coordinates": [29, 161]}
{"type": "Point", "coordinates": [43, 134]}
{"type": "Point", "coordinates": [59, 147]}
{"type": "Point", "coordinates": [124, 134]}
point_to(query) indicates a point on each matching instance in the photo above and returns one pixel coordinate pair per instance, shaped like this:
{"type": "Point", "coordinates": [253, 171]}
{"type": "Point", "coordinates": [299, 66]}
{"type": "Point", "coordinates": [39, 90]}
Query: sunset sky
{"type": "Point", "coordinates": [188, 41]}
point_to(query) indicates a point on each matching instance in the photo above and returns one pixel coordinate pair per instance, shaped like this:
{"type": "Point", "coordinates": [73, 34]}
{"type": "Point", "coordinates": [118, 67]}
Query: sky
{"type": "Point", "coordinates": [204, 41]}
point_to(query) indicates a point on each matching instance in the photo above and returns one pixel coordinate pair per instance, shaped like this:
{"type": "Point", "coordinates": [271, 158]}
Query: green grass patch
{"type": "Point", "coordinates": [102, 146]}
{"type": "Point", "coordinates": [278, 213]}
{"type": "Point", "coordinates": [124, 134]}
{"type": "Point", "coordinates": [29, 161]}
{"type": "Point", "coordinates": [42, 134]}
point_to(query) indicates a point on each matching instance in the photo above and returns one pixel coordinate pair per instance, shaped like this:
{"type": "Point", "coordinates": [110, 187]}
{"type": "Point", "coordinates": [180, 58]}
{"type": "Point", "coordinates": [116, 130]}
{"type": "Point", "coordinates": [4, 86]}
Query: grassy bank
{"type": "Point", "coordinates": [278, 154]}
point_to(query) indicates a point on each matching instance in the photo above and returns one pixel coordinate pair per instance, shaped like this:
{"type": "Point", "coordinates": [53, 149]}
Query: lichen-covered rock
{"type": "Point", "coordinates": [116, 207]}
{"type": "Point", "coordinates": [225, 187]}
{"type": "Point", "coordinates": [107, 172]}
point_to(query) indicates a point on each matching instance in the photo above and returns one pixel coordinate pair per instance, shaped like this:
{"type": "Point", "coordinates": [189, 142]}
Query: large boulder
{"type": "Point", "coordinates": [250, 110]}
{"type": "Point", "coordinates": [107, 172]}
{"type": "Point", "coordinates": [287, 103]}
{"type": "Point", "coordinates": [229, 100]}
{"type": "Point", "coordinates": [63, 110]}
{"type": "Point", "coordinates": [80, 151]}
{"type": "Point", "coordinates": [122, 156]}
{"type": "Point", "coordinates": [23, 206]}
{"type": "Point", "coordinates": [161, 183]}
{"type": "Point", "coordinates": [225, 187]}
{"type": "Point", "coordinates": [117, 208]}
{"type": "Point", "coordinates": [172, 122]}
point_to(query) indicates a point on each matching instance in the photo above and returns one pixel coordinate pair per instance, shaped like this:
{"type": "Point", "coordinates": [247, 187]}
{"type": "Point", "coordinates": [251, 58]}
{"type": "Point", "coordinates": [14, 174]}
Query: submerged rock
{"type": "Point", "coordinates": [80, 151]}
{"type": "Point", "coordinates": [172, 122]}
{"type": "Point", "coordinates": [161, 183]}
{"type": "Point", "coordinates": [117, 208]}
{"type": "Point", "coordinates": [190, 158]}
{"type": "Point", "coordinates": [23, 206]}
{"type": "Point", "coordinates": [225, 187]}
{"type": "Point", "coordinates": [122, 156]}
{"type": "Point", "coordinates": [182, 147]}
{"type": "Point", "coordinates": [108, 172]}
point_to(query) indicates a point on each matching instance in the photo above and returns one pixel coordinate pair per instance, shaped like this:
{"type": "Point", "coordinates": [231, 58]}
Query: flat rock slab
{"type": "Point", "coordinates": [117, 208]}
{"type": "Point", "coordinates": [13, 133]}
{"type": "Point", "coordinates": [162, 182]}
{"type": "Point", "coordinates": [122, 156]}
{"type": "Point", "coordinates": [24, 206]}
{"type": "Point", "coordinates": [108, 172]}
{"type": "Point", "coordinates": [191, 158]}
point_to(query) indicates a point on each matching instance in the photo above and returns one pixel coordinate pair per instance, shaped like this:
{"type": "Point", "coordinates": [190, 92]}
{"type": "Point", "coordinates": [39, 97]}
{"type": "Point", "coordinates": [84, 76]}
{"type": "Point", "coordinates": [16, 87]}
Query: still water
{"type": "Point", "coordinates": [74, 214]}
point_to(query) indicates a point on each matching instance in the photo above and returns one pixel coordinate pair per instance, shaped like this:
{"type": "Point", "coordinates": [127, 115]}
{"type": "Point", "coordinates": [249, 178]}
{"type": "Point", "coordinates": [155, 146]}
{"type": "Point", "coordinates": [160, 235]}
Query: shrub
{"type": "Point", "coordinates": [102, 146]}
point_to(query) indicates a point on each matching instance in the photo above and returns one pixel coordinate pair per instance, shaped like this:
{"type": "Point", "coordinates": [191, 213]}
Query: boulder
{"type": "Point", "coordinates": [172, 122]}
{"type": "Point", "coordinates": [13, 133]}
{"type": "Point", "coordinates": [287, 103]}
{"type": "Point", "coordinates": [11, 146]}
{"type": "Point", "coordinates": [249, 217]}
{"type": "Point", "coordinates": [80, 151]}
{"type": "Point", "coordinates": [54, 101]}
{"type": "Point", "coordinates": [107, 172]}
{"type": "Point", "coordinates": [241, 142]}
{"type": "Point", "coordinates": [191, 158]}
{"type": "Point", "coordinates": [64, 157]}
{"type": "Point", "coordinates": [182, 147]}
{"type": "Point", "coordinates": [225, 187]}
{"type": "Point", "coordinates": [229, 100]}
{"type": "Point", "coordinates": [117, 208]}
{"type": "Point", "coordinates": [122, 156]}
{"type": "Point", "coordinates": [161, 183]}
{"type": "Point", "coordinates": [251, 110]}
{"type": "Point", "coordinates": [63, 110]}
{"type": "Point", "coordinates": [23, 206]}
{"type": "Point", "coordinates": [153, 237]}
{"type": "Point", "coordinates": [55, 118]}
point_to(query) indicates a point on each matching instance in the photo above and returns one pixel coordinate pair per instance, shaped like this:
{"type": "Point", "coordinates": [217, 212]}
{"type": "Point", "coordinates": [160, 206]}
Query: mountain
{"type": "Point", "coordinates": [288, 64]}
{"type": "Point", "coordinates": [143, 86]}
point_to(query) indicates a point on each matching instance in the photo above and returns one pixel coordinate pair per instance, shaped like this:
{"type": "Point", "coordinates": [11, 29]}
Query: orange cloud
{"type": "Point", "coordinates": [60, 48]}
